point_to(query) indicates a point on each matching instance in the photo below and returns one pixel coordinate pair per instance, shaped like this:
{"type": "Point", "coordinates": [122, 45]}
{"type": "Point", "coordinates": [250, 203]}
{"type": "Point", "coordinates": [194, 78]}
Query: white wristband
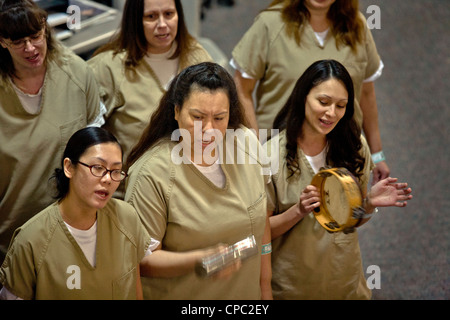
{"type": "Point", "coordinates": [378, 157]}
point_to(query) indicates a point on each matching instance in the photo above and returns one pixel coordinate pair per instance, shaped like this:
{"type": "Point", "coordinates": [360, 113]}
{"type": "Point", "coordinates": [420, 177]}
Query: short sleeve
{"type": "Point", "coordinates": [145, 192]}
{"type": "Point", "coordinates": [251, 51]}
{"type": "Point", "coordinates": [107, 70]}
{"type": "Point", "coordinates": [373, 58]}
{"type": "Point", "coordinates": [17, 272]}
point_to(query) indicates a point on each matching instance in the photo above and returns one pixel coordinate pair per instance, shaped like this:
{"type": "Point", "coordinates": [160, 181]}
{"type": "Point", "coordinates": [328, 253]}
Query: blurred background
{"type": "Point", "coordinates": [410, 245]}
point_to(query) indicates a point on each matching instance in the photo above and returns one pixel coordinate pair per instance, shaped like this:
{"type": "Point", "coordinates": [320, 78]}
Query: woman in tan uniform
{"type": "Point", "coordinates": [46, 94]}
{"type": "Point", "coordinates": [192, 195]}
{"type": "Point", "coordinates": [287, 38]}
{"type": "Point", "coordinates": [86, 245]}
{"type": "Point", "coordinates": [317, 128]}
{"type": "Point", "coordinates": [135, 68]}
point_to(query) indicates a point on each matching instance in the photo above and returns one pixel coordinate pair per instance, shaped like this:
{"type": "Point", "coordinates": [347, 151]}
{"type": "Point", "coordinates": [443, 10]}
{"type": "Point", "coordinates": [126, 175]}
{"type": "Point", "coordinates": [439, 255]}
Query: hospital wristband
{"type": "Point", "coordinates": [378, 157]}
{"type": "Point", "coordinates": [266, 248]}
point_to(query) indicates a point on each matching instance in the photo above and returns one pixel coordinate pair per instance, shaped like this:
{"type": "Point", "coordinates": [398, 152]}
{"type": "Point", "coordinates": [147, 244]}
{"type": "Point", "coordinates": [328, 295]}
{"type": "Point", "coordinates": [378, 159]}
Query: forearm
{"type": "Point", "coordinates": [245, 89]}
{"type": "Point", "coordinates": [266, 266]}
{"type": "Point", "coordinates": [281, 223]}
{"type": "Point", "coordinates": [249, 110]}
{"type": "Point", "coordinates": [167, 264]}
{"type": "Point", "coordinates": [369, 109]}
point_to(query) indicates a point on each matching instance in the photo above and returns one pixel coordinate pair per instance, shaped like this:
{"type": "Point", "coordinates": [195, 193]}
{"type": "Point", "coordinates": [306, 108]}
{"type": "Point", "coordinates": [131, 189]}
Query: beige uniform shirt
{"type": "Point", "coordinates": [44, 261]}
{"type": "Point", "coordinates": [31, 145]}
{"type": "Point", "coordinates": [307, 261]}
{"type": "Point", "coordinates": [268, 54]}
{"type": "Point", "coordinates": [185, 211]}
{"type": "Point", "coordinates": [131, 96]}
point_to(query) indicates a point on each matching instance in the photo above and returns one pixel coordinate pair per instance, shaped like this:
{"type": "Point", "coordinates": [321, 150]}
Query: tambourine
{"type": "Point", "coordinates": [340, 200]}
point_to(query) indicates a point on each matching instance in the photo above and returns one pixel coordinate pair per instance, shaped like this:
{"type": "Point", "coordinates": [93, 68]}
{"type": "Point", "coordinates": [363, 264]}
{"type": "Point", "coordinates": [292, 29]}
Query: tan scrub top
{"type": "Point", "coordinates": [184, 210]}
{"type": "Point", "coordinates": [31, 145]}
{"type": "Point", "coordinates": [269, 55]}
{"type": "Point", "coordinates": [131, 96]}
{"type": "Point", "coordinates": [44, 261]}
{"type": "Point", "coordinates": [307, 261]}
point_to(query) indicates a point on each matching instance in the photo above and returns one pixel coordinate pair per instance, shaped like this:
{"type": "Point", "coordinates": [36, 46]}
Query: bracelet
{"type": "Point", "coordinates": [378, 157]}
{"type": "Point", "coordinates": [266, 248]}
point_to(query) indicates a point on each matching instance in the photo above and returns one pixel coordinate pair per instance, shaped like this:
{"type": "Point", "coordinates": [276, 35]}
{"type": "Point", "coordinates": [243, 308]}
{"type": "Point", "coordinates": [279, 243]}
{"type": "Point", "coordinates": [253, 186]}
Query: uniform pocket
{"type": "Point", "coordinates": [257, 212]}
{"type": "Point", "coordinates": [124, 288]}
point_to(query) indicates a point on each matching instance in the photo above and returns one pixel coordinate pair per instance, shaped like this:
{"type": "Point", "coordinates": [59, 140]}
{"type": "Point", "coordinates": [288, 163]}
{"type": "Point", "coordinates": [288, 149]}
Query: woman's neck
{"type": "Point", "coordinates": [312, 145]}
{"type": "Point", "coordinates": [29, 81]}
{"type": "Point", "coordinates": [318, 20]}
{"type": "Point", "coordinates": [77, 216]}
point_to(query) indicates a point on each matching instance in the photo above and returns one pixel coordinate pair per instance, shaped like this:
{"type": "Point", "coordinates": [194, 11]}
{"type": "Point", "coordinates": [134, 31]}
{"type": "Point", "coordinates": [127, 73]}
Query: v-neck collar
{"type": "Point", "coordinates": [77, 246]}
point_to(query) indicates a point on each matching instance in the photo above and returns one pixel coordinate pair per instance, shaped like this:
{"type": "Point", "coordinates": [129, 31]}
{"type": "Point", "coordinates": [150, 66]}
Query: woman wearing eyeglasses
{"type": "Point", "coordinates": [46, 94]}
{"type": "Point", "coordinates": [86, 245]}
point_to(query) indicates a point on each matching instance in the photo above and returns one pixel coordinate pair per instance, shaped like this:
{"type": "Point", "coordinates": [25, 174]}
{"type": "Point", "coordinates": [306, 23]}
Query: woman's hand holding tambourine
{"type": "Point", "coordinates": [340, 205]}
{"type": "Point", "coordinates": [309, 200]}
{"type": "Point", "coordinates": [388, 192]}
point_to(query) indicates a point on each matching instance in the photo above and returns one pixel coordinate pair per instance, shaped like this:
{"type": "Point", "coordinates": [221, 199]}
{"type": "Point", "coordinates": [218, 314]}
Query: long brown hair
{"type": "Point", "coordinates": [346, 27]}
{"type": "Point", "coordinates": [131, 38]}
{"type": "Point", "coordinates": [202, 76]}
{"type": "Point", "coordinates": [344, 142]}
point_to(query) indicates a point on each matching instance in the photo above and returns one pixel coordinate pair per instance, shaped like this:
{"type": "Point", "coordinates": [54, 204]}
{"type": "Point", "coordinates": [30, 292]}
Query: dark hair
{"type": "Point", "coordinates": [78, 143]}
{"type": "Point", "coordinates": [131, 36]}
{"type": "Point", "coordinates": [19, 19]}
{"type": "Point", "coordinates": [346, 25]}
{"type": "Point", "coordinates": [344, 140]}
{"type": "Point", "coordinates": [202, 76]}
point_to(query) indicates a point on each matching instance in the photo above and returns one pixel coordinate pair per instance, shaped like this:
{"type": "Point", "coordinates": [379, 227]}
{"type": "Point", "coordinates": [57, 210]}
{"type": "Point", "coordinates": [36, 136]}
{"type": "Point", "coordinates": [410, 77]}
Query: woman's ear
{"type": "Point", "coordinates": [68, 168]}
{"type": "Point", "coordinates": [177, 112]}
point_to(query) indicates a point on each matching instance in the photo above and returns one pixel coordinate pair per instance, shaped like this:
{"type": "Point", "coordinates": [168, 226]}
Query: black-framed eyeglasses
{"type": "Point", "coordinates": [100, 171]}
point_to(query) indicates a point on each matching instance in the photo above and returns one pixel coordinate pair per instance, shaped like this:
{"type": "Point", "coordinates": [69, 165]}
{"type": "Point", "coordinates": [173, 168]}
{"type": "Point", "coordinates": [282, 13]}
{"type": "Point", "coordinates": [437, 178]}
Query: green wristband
{"type": "Point", "coordinates": [266, 248]}
{"type": "Point", "coordinates": [378, 157]}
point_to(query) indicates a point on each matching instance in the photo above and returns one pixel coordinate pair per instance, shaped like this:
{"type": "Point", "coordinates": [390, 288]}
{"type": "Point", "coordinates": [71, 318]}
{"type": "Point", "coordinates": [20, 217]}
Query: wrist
{"type": "Point", "coordinates": [297, 214]}
{"type": "Point", "coordinates": [368, 206]}
{"type": "Point", "coordinates": [378, 157]}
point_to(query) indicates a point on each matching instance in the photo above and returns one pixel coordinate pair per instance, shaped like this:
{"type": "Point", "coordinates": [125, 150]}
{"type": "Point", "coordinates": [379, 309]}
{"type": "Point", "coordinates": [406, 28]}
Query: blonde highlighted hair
{"type": "Point", "coordinates": [346, 25]}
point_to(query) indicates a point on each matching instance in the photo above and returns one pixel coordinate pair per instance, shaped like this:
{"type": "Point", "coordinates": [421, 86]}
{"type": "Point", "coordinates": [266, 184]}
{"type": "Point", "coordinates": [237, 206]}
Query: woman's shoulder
{"type": "Point", "coordinates": [120, 211]}
{"type": "Point", "coordinates": [108, 59]}
{"type": "Point", "coordinates": [278, 140]}
{"type": "Point", "coordinates": [270, 14]}
{"type": "Point", "coordinates": [197, 54]}
{"type": "Point", "coordinates": [67, 60]}
{"type": "Point", "coordinates": [38, 228]}
{"type": "Point", "coordinates": [156, 163]}
{"type": "Point", "coordinates": [363, 19]}
{"type": "Point", "coordinates": [125, 218]}
{"type": "Point", "coordinates": [268, 23]}
{"type": "Point", "coordinates": [154, 169]}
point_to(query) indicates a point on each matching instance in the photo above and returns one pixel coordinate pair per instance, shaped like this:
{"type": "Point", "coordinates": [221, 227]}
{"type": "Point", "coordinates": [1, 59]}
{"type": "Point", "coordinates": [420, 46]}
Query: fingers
{"type": "Point", "coordinates": [390, 180]}
{"type": "Point", "coordinates": [404, 191]}
{"type": "Point", "coordinates": [310, 205]}
{"type": "Point", "coordinates": [401, 204]}
{"type": "Point", "coordinates": [309, 188]}
{"type": "Point", "coordinates": [309, 199]}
